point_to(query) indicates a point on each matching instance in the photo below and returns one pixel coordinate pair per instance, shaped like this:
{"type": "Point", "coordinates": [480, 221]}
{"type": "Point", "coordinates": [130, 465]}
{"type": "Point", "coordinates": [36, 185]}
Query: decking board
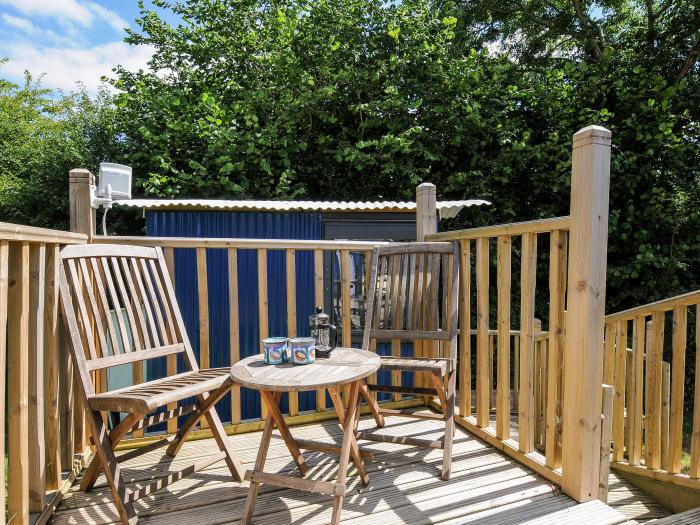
{"type": "Point", "coordinates": [405, 487]}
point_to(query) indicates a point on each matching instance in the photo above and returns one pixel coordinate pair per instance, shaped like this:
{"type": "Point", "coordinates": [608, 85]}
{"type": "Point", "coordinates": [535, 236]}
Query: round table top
{"type": "Point", "coordinates": [344, 366]}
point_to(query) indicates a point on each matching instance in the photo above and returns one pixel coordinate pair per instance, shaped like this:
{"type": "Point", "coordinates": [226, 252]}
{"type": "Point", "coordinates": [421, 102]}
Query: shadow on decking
{"type": "Point", "coordinates": [405, 486]}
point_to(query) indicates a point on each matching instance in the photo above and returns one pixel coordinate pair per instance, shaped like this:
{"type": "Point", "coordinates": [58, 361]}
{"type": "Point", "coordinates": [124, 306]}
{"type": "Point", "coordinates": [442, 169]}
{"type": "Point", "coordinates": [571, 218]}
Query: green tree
{"type": "Point", "coordinates": [43, 134]}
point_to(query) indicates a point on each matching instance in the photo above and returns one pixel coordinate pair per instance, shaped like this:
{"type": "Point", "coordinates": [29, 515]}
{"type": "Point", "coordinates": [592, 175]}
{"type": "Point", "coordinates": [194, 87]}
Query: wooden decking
{"type": "Point", "coordinates": [486, 487]}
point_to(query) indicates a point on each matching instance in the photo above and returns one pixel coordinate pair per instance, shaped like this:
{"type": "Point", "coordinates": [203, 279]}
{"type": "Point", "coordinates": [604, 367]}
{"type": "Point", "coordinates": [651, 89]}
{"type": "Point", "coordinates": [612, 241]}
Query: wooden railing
{"type": "Point", "coordinates": [527, 363]}
{"type": "Point", "coordinates": [650, 391]}
{"type": "Point", "coordinates": [45, 425]}
{"type": "Point", "coordinates": [575, 276]}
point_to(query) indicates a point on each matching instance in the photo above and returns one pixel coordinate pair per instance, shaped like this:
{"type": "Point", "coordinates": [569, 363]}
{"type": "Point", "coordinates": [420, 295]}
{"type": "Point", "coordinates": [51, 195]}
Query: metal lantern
{"type": "Point", "coordinates": [325, 334]}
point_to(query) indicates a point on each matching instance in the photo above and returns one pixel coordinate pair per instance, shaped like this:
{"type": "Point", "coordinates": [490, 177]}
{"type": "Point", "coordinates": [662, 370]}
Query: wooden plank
{"type": "Point", "coordinates": [4, 270]}
{"type": "Point", "coordinates": [345, 308]}
{"type": "Point", "coordinates": [465, 351]}
{"type": "Point", "coordinates": [555, 348]}
{"type": "Point", "coordinates": [583, 349]}
{"type": "Point", "coordinates": [618, 430]}
{"type": "Point", "coordinates": [694, 471]}
{"type": "Point", "coordinates": [234, 330]}
{"type": "Point", "coordinates": [483, 386]}
{"type": "Point", "coordinates": [503, 382]}
{"type": "Point", "coordinates": [262, 309]}
{"type": "Point", "coordinates": [680, 327]}
{"type": "Point", "coordinates": [687, 299]}
{"type": "Point", "coordinates": [51, 327]}
{"type": "Point", "coordinates": [653, 436]}
{"type": "Point", "coordinates": [609, 357]}
{"type": "Point", "coordinates": [318, 301]}
{"type": "Point", "coordinates": [18, 384]}
{"type": "Point", "coordinates": [510, 229]}
{"type": "Point", "coordinates": [171, 360]}
{"type": "Point", "coordinates": [634, 415]}
{"type": "Point", "coordinates": [37, 442]}
{"type": "Point", "coordinates": [291, 275]}
{"type": "Point", "coordinates": [665, 413]}
{"type": "Point", "coordinates": [605, 437]}
{"type": "Point", "coordinates": [647, 390]}
{"type": "Point", "coordinates": [526, 394]}
{"type": "Point", "coordinates": [17, 232]}
{"type": "Point", "coordinates": [241, 244]}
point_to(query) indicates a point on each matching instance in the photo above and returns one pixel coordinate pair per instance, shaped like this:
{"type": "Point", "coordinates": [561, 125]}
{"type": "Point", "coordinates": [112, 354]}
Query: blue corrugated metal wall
{"type": "Point", "coordinates": [260, 225]}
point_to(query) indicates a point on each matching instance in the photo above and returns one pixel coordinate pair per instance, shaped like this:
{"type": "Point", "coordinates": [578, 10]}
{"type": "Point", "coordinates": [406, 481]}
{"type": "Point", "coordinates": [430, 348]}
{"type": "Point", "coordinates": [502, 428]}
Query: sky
{"type": "Point", "coordinates": [67, 40]}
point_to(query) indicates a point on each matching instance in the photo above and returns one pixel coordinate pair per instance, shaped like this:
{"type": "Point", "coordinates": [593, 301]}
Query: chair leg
{"type": "Point", "coordinates": [110, 465]}
{"type": "Point", "coordinates": [93, 471]}
{"type": "Point", "coordinates": [373, 405]}
{"type": "Point", "coordinates": [449, 412]}
{"type": "Point", "coordinates": [217, 430]}
{"type": "Point", "coordinates": [204, 403]}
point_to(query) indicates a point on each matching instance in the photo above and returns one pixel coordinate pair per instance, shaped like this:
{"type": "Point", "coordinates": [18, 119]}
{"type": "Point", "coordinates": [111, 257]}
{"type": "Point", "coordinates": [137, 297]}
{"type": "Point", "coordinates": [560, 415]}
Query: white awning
{"type": "Point", "coordinates": [446, 209]}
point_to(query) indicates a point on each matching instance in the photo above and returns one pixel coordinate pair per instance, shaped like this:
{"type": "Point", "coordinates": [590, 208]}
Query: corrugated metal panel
{"type": "Point", "coordinates": [262, 225]}
{"type": "Point", "coordinates": [446, 209]}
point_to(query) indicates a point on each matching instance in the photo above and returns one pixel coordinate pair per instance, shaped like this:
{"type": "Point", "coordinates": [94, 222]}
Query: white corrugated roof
{"type": "Point", "coordinates": [446, 209]}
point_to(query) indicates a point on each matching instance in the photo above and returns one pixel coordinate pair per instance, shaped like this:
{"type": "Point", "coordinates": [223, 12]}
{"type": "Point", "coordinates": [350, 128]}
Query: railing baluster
{"type": "Point", "coordinates": [318, 299]}
{"type": "Point", "coordinates": [634, 409]}
{"type": "Point", "coordinates": [503, 379]}
{"type": "Point", "coordinates": [483, 385]}
{"type": "Point", "coordinates": [37, 443]}
{"type": "Point", "coordinates": [656, 337]}
{"type": "Point", "coordinates": [171, 360]}
{"type": "Point", "coordinates": [680, 326]}
{"type": "Point", "coordinates": [526, 398]}
{"type": "Point", "coordinates": [262, 308]}
{"type": "Point", "coordinates": [345, 313]}
{"type": "Point", "coordinates": [234, 330]}
{"type": "Point", "coordinates": [665, 413]}
{"type": "Point", "coordinates": [18, 384]}
{"type": "Point", "coordinates": [4, 259]}
{"type": "Point", "coordinates": [51, 366]}
{"type": "Point", "coordinates": [290, 255]}
{"type": "Point", "coordinates": [555, 351]}
{"type": "Point", "coordinates": [619, 400]}
{"type": "Point", "coordinates": [694, 471]}
{"type": "Point", "coordinates": [203, 304]}
{"type": "Point", "coordinates": [465, 351]}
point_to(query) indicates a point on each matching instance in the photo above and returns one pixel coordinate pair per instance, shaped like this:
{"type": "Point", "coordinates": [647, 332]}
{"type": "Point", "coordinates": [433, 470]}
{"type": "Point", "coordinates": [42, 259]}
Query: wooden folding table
{"type": "Point", "coordinates": [347, 367]}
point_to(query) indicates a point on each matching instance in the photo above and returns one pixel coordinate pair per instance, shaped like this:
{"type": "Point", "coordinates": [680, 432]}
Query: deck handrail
{"type": "Point", "coordinates": [664, 305]}
{"type": "Point", "coordinates": [240, 243]}
{"type": "Point", "coordinates": [18, 232]}
{"type": "Point", "coordinates": [511, 229]}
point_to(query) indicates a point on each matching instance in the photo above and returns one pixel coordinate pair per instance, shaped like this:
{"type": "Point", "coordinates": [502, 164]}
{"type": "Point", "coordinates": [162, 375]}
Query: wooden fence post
{"type": "Point", "coordinates": [82, 220]}
{"type": "Point", "coordinates": [584, 348]}
{"type": "Point", "coordinates": [426, 210]}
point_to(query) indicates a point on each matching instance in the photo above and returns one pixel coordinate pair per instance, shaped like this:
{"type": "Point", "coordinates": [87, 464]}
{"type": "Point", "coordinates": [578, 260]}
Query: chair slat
{"type": "Point", "coordinates": [102, 295]}
{"type": "Point", "coordinates": [142, 327]}
{"type": "Point", "coordinates": [127, 299]}
{"type": "Point", "coordinates": [116, 305]}
{"type": "Point", "coordinates": [82, 310]}
{"type": "Point", "coordinates": [155, 303]}
{"type": "Point", "coordinates": [165, 302]}
{"type": "Point", "coordinates": [412, 291]}
{"type": "Point", "coordinates": [394, 299]}
{"type": "Point", "coordinates": [143, 296]}
{"type": "Point", "coordinates": [94, 307]}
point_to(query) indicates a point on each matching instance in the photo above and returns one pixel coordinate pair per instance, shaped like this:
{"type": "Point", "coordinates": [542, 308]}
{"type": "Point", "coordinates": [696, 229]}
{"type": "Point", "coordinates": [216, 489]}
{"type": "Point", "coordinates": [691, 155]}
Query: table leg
{"type": "Point", "coordinates": [273, 411]}
{"type": "Point", "coordinates": [348, 441]}
{"type": "Point", "coordinates": [343, 418]}
{"type": "Point", "coordinates": [259, 465]}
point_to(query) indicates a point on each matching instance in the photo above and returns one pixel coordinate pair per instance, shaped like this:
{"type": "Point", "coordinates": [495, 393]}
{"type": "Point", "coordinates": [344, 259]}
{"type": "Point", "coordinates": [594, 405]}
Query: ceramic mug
{"type": "Point", "coordinates": [303, 350]}
{"type": "Point", "coordinates": [275, 349]}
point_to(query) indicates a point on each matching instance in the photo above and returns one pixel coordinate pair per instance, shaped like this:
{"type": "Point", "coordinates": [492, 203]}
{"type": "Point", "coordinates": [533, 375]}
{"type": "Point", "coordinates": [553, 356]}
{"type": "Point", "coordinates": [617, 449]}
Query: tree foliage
{"type": "Point", "coordinates": [365, 99]}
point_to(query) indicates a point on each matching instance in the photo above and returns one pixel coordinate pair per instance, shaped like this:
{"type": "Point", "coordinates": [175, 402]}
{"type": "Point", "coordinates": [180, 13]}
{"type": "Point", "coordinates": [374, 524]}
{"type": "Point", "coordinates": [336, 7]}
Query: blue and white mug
{"type": "Point", "coordinates": [275, 349]}
{"type": "Point", "coordinates": [303, 350]}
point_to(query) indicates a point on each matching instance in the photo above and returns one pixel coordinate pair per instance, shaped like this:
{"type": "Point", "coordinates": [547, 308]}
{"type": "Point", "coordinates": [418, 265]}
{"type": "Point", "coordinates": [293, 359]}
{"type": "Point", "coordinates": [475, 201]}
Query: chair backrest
{"type": "Point", "coordinates": [413, 293]}
{"type": "Point", "coordinates": [120, 307]}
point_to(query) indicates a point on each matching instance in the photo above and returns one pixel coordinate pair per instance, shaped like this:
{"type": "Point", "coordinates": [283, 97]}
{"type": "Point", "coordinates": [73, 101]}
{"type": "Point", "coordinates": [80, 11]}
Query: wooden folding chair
{"type": "Point", "coordinates": [413, 297]}
{"type": "Point", "coordinates": [120, 308]}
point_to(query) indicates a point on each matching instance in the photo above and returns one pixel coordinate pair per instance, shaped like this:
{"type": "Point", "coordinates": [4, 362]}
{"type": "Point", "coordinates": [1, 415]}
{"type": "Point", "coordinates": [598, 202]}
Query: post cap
{"type": "Point", "coordinates": [81, 175]}
{"type": "Point", "coordinates": [592, 135]}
